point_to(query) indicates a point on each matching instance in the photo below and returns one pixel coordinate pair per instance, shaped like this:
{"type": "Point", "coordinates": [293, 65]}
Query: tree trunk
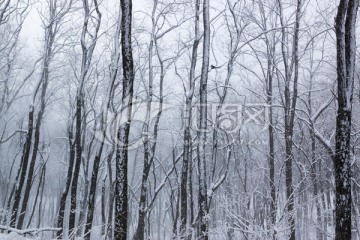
{"type": "Point", "coordinates": [109, 229]}
{"type": "Point", "coordinates": [78, 151]}
{"type": "Point", "coordinates": [24, 160]}
{"type": "Point", "coordinates": [103, 208]}
{"type": "Point", "coordinates": [203, 201]}
{"type": "Point", "coordinates": [121, 186]}
{"type": "Point", "coordinates": [60, 219]}
{"type": "Point", "coordinates": [92, 194]}
{"type": "Point", "coordinates": [41, 180]}
{"type": "Point", "coordinates": [23, 168]}
{"type": "Point", "coordinates": [271, 157]}
{"type": "Point", "coordinates": [31, 169]}
{"type": "Point", "coordinates": [87, 53]}
{"type": "Point", "coordinates": [289, 108]}
{"type": "Point", "coordinates": [186, 164]}
{"type": "Point", "coordinates": [345, 24]}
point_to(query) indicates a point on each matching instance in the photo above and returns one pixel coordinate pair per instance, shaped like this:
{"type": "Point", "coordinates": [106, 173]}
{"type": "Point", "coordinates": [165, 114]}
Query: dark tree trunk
{"type": "Point", "coordinates": [44, 79]}
{"type": "Point", "coordinates": [41, 199]}
{"type": "Point", "coordinates": [10, 199]}
{"type": "Point", "coordinates": [103, 208]}
{"type": "Point", "coordinates": [31, 170]}
{"type": "Point", "coordinates": [87, 53]}
{"type": "Point", "coordinates": [92, 194]}
{"type": "Point", "coordinates": [149, 146]}
{"type": "Point", "coordinates": [345, 24]}
{"type": "Point", "coordinates": [109, 229]}
{"type": "Point", "coordinates": [187, 135]}
{"type": "Point", "coordinates": [140, 230]}
{"type": "Point", "coordinates": [78, 151]}
{"type": "Point", "coordinates": [289, 108]}
{"type": "Point", "coordinates": [24, 166]}
{"type": "Point", "coordinates": [93, 181]}
{"type": "Point", "coordinates": [271, 157]}
{"type": "Point", "coordinates": [121, 186]}
{"type": "Point", "coordinates": [60, 220]}
{"type": "Point", "coordinates": [41, 180]}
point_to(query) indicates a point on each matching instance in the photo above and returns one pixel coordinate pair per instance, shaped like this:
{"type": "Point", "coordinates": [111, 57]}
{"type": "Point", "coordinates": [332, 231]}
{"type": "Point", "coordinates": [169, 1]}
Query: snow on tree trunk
{"type": "Point", "coordinates": [345, 23]}
{"type": "Point", "coordinates": [121, 186]}
{"type": "Point", "coordinates": [186, 164]}
{"type": "Point", "coordinates": [78, 151]}
{"type": "Point", "coordinates": [87, 48]}
{"type": "Point", "coordinates": [290, 107]}
{"type": "Point", "coordinates": [203, 223]}
{"type": "Point", "coordinates": [61, 214]}
{"type": "Point", "coordinates": [51, 29]}
{"type": "Point", "coordinates": [24, 164]}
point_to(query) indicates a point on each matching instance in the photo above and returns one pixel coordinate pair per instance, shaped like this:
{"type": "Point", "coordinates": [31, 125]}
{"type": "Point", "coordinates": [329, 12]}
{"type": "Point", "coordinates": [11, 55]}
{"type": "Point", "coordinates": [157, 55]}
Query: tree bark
{"type": "Point", "coordinates": [121, 186]}
{"type": "Point", "coordinates": [78, 151]}
{"type": "Point", "coordinates": [41, 180]}
{"type": "Point", "coordinates": [87, 53]}
{"type": "Point", "coordinates": [60, 219]}
{"type": "Point", "coordinates": [24, 164]}
{"type": "Point", "coordinates": [203, 198]}
{"type": "Point", "coordinates": [345, 24]}
{"type": "Point", "coordinates": [186, 164]}
{"type": "Point", "coordinates": [289, 108]}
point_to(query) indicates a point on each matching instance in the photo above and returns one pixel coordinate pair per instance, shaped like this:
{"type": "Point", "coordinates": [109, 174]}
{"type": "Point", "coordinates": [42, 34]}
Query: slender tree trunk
{"type": "Point", "coordinates": [78, 151]}
{"type": "Point", "coordinates": [31, 168]}
{"type": "Point", "coordinates": [121, 187]}
{"type": "Point", "coordinates": [50, 37]}
{"type": "Point", "coordinates": [290, 106]}
{"type": "Point", "coordinates": [109, 229]}
{"type": "Point", "coordinates": [140, 229]}
{"type": "Point", "coordinates": [271, 157]}
{"type": "Point", "coordinates": [41, 199]}
{"type": "Point", "coordinates": [42, 177]}
{"type": "Point", "coordinates": [24, 165]}
{"type": "Point", "coordinates": [103, 208]}
{"type": "Point", "coordinates": [150, 144]}
{"type": "Point", "coordinates": [186, 164]}
{"type": "Point", "coordinates": [203, 201]}
{"type": "Point", "coordinates": [191, 193]}
{"type": "Point", "coordinates": [87, 52]}
{"type": "Point", "coordinates": [95, 172]}
{"type": "Point", "coordinates": [113, 76]}
{"type": "Point", "coordinates": [60, 219]}
{"type": "Point", "coordinates": [92, 194]}
{"type": "Point", "coordinates": [50, 33]}
{"type": "Point", "coordinates": [10, 199]}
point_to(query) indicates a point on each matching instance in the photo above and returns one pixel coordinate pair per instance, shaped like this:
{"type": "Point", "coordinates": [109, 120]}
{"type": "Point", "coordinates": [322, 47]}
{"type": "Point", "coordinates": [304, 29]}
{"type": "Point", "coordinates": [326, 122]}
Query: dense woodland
{"type": "Point", "coordinates": [179, 119]}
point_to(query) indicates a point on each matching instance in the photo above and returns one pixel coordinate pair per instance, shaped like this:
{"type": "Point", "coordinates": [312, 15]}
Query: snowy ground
{"type": "Point", "coordinates": [14, 236]}
{"type": "Point", "coordinates": [44, 233]}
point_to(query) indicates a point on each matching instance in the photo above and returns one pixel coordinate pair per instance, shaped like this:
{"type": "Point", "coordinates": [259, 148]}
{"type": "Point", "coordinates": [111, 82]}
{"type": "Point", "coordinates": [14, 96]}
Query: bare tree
{"type": "Point", "coordinates": [151, 129]}
{"type": "Point", "coordinates": [290, 99]}
{"type": "Point", "coordinates": [187, 155]}
{"type": "Point", "coordinates": [51, 29]}
{"type": "Point", "coordinates": [89, 37]}
{"type": "Point", "coordinates": [238, 172]}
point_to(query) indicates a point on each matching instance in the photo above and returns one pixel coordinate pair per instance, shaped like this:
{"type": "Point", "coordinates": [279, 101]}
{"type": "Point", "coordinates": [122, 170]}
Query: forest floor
{"type": "Point", "coordinates": [14, 236]}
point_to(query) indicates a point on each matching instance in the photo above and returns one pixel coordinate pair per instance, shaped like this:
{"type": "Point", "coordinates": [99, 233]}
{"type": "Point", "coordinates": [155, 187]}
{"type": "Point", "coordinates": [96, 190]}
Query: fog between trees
{"type": "Point", "coordinates": [179, 119]}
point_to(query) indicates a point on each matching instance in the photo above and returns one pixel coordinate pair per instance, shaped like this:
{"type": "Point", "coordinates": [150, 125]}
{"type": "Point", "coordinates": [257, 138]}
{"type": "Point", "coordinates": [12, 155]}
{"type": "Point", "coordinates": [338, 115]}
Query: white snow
{"type": "Point", "coordinates": [14, 236]}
